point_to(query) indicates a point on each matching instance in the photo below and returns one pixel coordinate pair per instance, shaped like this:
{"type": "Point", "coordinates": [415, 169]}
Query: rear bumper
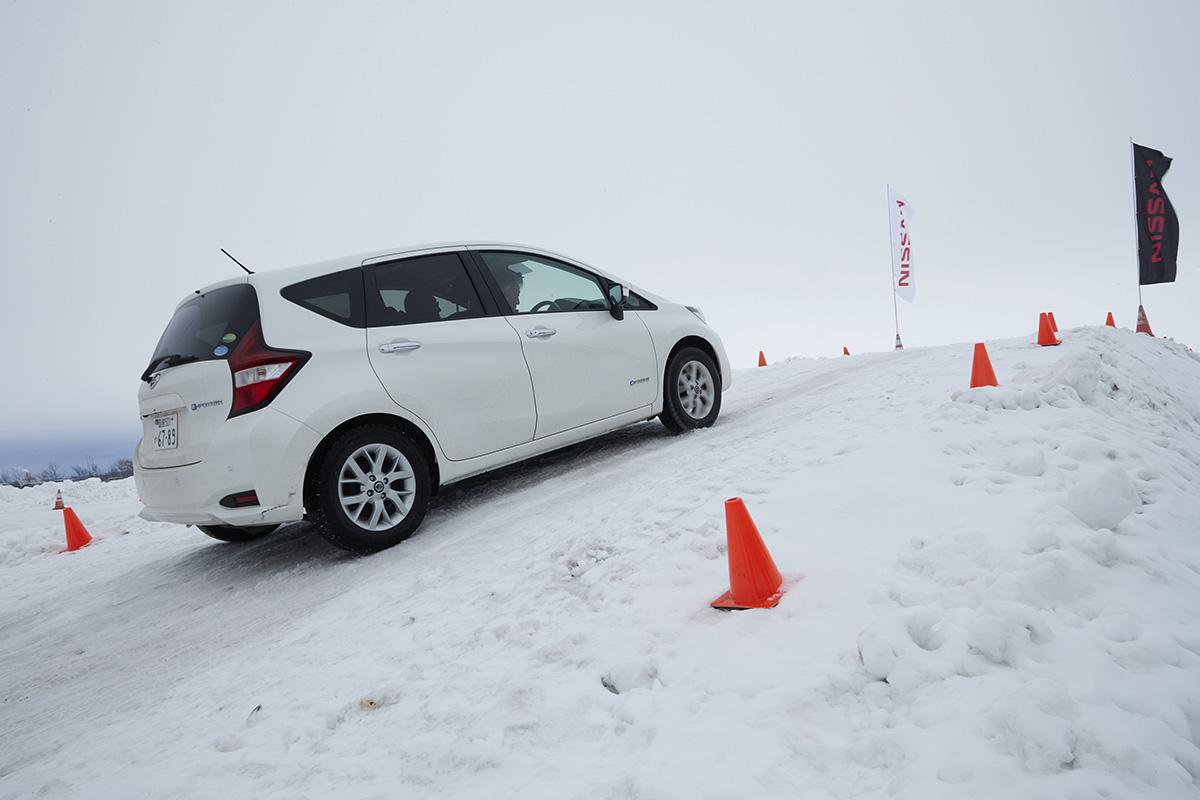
{"type": "Point", "coordinates": [266, 451]}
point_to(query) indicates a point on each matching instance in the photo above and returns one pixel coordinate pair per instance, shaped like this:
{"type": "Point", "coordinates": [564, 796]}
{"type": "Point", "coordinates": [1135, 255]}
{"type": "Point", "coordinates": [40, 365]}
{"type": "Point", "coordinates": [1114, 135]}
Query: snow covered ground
{"type": "Point", "coordinates": [994, 593]}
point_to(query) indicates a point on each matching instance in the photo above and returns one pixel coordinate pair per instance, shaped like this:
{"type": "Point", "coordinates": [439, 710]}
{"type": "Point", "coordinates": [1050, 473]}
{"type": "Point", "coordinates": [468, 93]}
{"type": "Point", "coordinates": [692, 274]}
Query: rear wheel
{"type": "Point", "coordinates": [229, 533]}
{"type": "Point", "coordinates": [691, 391]}
{"type": "Point", "coordinates": [373, 489]}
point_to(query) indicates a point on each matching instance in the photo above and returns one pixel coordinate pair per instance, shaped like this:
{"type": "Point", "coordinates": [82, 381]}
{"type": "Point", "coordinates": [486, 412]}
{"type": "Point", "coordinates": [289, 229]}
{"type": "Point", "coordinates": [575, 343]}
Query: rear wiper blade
{"type": "Point", "coordinates": [162, 362]}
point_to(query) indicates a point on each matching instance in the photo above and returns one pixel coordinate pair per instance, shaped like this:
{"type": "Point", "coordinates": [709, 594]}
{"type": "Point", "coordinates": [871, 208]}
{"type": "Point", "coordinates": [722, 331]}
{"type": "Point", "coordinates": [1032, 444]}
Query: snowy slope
{"type": "Point", "coordinates": [994, 593]}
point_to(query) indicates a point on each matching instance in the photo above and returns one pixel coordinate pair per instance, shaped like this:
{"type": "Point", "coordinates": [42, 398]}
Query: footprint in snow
{"type": "Point", "coordinates": [228, 744]}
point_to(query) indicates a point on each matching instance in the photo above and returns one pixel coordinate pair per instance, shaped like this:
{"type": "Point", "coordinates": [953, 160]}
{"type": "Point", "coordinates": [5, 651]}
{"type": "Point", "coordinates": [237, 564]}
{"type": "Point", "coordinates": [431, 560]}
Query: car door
{"type": "Point", "coordinates": [586, 365]}
{"type": "Point", "coordinates": [445, 356]}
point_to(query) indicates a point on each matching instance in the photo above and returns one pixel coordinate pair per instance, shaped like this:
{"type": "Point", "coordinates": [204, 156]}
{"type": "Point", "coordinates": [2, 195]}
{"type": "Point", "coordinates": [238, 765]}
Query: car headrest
{"type": "Point", "coordinates": [421, 306]}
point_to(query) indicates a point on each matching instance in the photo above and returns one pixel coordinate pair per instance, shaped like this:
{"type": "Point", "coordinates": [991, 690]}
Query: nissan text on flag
{"type": "Point", "coordinates": [900, 238]}
{"type": "Point", "coordinates": [347, 392]}
{"type": "Point", "coordinates": [1157, 222]}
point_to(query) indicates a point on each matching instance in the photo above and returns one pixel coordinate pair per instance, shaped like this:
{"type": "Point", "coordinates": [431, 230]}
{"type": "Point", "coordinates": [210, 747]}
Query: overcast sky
{"type": "Point", "coordinates": [728, 155]}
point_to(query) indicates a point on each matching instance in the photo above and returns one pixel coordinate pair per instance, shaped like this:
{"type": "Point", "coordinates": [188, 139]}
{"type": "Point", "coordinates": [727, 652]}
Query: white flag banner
{"type": "Point", "coordinates": [902, 269]}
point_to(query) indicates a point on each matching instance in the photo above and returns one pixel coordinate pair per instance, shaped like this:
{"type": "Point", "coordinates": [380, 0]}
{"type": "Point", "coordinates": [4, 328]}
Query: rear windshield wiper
{"type": "Point", "coordinates": [162, 362]}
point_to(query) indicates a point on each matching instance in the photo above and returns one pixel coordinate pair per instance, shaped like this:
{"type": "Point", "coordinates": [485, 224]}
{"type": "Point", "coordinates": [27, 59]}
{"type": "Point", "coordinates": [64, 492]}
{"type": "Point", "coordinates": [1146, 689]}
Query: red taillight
{"type": "Point", "coordinates": [260, 372]}
{"type": "Point", "coordinates": [240, 500]}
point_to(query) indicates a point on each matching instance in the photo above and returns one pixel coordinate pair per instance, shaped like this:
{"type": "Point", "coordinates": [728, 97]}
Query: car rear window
{"type": "Point", "coordinates": [207, 326]}
{"type": "Point", "coordinates": [338, 296]}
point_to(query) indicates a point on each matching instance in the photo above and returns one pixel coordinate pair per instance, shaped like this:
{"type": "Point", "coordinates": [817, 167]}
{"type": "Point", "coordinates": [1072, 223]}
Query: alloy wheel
{"type": "Point", "coordinates": [696, 389]}
{"type": "Point", "coordinates": [376, 486]}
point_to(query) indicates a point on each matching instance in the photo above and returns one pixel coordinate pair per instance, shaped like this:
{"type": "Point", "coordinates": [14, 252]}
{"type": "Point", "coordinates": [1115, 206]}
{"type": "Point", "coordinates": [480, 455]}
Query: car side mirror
{"type": "Point", "coordinates": [616, 300]}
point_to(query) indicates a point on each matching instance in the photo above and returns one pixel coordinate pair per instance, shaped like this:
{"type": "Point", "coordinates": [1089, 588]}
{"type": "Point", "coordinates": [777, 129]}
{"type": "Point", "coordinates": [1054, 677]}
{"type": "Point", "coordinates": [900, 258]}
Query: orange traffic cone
{"type": "Point", "coordinates": [754, 581]}
{"type": "Point", "coordinates": [982, 373]}
{"type": "Point", "coordinates": [77, 535]}
{"type": "Point", "coordinates": [1046, 337]}
{"type": "Point", "coordinates": [1053, 324]}
{"type": "Point", "coordinates": [1110, 322]}
{"type": "Point", "coordinates": [899, 344]}
{"type": "Point", "coordinates": [58, 503]}
{"type": "Point", "coordinates": [762, 360]}
{"type": "Point", "coordinates": [845, 351]}
{"type": "Point", "coordinates": [1143, 324]}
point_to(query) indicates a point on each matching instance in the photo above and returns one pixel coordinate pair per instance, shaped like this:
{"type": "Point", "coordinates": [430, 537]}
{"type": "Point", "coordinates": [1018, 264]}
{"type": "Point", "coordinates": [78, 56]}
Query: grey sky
{"type": "Point", "coordinates": [730, 155]}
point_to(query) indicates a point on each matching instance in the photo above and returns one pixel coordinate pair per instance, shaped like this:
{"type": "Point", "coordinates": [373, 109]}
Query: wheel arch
{"type": "Point", "coordinates": [401, 424]}
{"type": "Point", "coordinates": [700, 343]}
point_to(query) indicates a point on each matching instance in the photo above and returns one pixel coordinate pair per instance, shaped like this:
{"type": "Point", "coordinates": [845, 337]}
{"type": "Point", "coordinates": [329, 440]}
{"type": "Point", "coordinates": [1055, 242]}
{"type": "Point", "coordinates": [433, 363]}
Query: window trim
{"type": "Point", "coordinates": [498, 295]}
{"type": "Point", "coordinates": [373, 302]}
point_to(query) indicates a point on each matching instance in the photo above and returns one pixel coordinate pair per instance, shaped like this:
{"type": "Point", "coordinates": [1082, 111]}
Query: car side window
{"type": "Point", "coordinates": [535, 284]}
{"type": "Point", "coordinates": [635, 302]}
{"type": "Point", "coordinates": [338, 296]}
{"type": "Point", "coordinates": [421, 289]}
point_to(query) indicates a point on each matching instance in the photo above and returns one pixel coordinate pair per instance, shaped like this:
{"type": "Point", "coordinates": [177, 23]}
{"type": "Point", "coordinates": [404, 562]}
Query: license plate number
{"type": "Point", "coordinates": [166, 432]}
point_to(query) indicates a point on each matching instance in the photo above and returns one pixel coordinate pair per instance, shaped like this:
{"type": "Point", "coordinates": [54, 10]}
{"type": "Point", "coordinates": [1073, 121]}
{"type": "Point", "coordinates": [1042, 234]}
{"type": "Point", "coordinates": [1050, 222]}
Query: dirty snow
{"type": "Point", "coordinates": [993, 593]}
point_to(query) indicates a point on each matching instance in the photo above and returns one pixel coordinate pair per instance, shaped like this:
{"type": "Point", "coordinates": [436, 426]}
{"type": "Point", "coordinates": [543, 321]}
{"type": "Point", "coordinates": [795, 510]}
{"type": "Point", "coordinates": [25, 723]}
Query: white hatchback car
{"type": "Point", "coordinates": [347, 392]}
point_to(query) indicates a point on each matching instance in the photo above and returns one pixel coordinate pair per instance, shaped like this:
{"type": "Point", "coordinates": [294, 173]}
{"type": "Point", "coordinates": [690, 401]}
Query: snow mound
{"type": "Point", "coordinates": [91, 490]}
{"type": "Point", "coordinates": [1062, 645]}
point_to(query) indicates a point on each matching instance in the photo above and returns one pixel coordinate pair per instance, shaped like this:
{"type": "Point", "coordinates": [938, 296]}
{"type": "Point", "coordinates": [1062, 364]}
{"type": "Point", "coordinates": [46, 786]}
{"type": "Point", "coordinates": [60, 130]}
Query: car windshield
{"type": "Point", "coordinates": [208, 325]}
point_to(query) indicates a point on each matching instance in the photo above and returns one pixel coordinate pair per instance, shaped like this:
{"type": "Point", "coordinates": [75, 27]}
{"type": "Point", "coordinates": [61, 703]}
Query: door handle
{"type": "Point", "coordinates": [540, 332]}
{"type": "Point", "coordinates": [399, 346]}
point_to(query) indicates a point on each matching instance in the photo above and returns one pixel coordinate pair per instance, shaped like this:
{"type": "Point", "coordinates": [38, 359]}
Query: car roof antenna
{"type": "Point", "coordinates": [240, 264]}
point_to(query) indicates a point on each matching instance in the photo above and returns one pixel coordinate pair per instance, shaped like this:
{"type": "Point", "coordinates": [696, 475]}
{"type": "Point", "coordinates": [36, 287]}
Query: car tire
{"type": "Point", "coordinates": [691, 399]}
{"type": "Point", "coordinates": [359, 474]}
{"type": "Point", "coordinates": [237, 535]}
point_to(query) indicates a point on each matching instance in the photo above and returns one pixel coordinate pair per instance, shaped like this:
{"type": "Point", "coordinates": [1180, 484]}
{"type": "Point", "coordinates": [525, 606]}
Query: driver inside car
{"type": "Point", "coordinates": [511, 278]}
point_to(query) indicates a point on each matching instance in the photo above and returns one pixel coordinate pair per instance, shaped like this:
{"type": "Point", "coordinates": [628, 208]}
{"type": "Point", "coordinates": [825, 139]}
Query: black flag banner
{"type": "Point", "coordinates": [1157, 225]}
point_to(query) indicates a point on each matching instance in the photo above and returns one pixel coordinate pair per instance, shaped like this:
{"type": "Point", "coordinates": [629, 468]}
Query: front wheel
{"type": "Point", "coordinates": [237, 535]}
{"type": "Point", "coordinates": [373, 488]}
{"type": "Point", "coordinates": [691, 391]}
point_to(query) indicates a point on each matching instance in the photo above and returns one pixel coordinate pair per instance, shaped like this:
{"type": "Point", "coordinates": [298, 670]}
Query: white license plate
{"type": "Point", "coordinates": [166, 432]}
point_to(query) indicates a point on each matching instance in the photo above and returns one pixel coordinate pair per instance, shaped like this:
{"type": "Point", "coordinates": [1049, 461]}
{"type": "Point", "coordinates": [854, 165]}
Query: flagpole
{"type": "Point", "coordinates": [1137, 245]}
{"type": "Point", "coordinates": [891, 250]}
